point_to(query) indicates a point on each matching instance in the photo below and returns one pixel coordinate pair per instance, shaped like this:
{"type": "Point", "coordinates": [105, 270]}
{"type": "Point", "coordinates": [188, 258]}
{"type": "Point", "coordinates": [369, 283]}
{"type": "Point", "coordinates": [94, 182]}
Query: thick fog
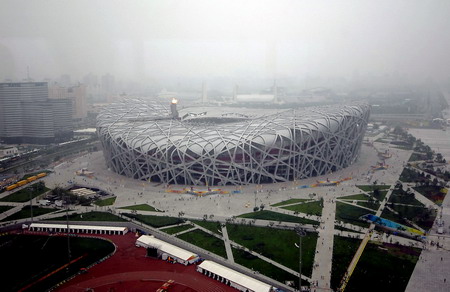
{"type": "Point", "coordinates": [137, 40]}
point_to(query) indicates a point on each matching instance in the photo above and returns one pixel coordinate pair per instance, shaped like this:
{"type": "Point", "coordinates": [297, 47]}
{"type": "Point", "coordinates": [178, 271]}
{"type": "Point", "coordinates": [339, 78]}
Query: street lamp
{"type": "Point", "coordinates": [301, 232]}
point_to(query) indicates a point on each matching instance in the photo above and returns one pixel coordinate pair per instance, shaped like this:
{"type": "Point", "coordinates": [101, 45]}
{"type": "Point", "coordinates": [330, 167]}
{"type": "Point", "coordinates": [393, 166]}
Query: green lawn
{"type": "Point", "coordinates": [344, 249]}
{"type": "Point", "coordinates": [105, 202]}
{"type": "Point", "coordinates": [370, 205]}
{"type": "Point", "coordinates": [26, 213]}
{"type": "Point", "coordinates": [311, 208]}
{"type": "Point", "coordinates": [419, 215]}
{"type": "Point", "coordinates": [205, 241]}
{"type": "Point", "coordinates": [156, 221]}
{"type": "Point", "coordinates": [434, 193]}
{"type": "Point", "coordinates": [30, 257]}
{"type": "Point", "coordinates": [276, 244]}
{"type": "Point", "coordinates": [176, 229]}
{"type": "Point", "coordinates": [23, 195]}
{"type": "Point", "coordinates": [381, 195]}
{"type": "Point", "coordinates": [400, 197]}
{"type": "Point", "coordinates": [371, 188]}
{"type": "Point", "coordinates": [210, 225]}
{"type": "Point", "coordinates": [274, 216]}
{"type": "Point", "coordinates": [350, 214]}
{"type": "Point", "coordinates": [418, 157]}
{"type": "Point", "coordinates": [141, 207]}
{"type": "Point", "coordinates": [250, 261]}
{"type": "Point", "coordinates": [384, 267]}
{"type": "Point", "coordinates": [5, 208]}
{"type": "Point", "coordinates": [388, 214]}
{"type": "Point", "coordinates": [91, 216]}
{"type": "Point", "coordinates": [409, 175]}
{"type": "Point", "coordinates": [290, 201]}
{"type": "Point", "coordinates": [355, 197]}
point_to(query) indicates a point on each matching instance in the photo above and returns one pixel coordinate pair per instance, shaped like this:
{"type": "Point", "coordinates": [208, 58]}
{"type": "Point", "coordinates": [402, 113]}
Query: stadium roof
{"type": "Point", "coordinates": [236, 277]}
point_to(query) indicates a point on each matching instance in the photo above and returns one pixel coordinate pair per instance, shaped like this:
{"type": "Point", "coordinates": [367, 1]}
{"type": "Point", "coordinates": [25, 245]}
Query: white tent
{"type": "Point", "coordinates": [181, 255]}
{"type": "Point", "coordinates": [237, 280]}
{"type": "Point", "coordinates": [78, 228]}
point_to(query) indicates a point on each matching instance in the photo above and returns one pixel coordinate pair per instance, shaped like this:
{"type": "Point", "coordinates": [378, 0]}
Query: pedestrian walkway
{"type": "Point", "coordinates": [321, 275]}
{"type": "Point", "coordinates": [226, 240]}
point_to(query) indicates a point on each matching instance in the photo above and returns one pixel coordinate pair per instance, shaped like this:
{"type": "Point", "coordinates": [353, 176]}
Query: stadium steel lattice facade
{"type": "Point", "coordinates": [219, 146]}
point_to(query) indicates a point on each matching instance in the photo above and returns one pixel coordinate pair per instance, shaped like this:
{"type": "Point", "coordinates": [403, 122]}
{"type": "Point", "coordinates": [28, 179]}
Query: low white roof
{"type": "Point", "coordinates": [89, 227]}
{"type": "Point", "coordinates": [168, 248]}
{"type": "Point", "coordinates": [83, 192]}
{"type": "Point", "coordinates": [236, 277]}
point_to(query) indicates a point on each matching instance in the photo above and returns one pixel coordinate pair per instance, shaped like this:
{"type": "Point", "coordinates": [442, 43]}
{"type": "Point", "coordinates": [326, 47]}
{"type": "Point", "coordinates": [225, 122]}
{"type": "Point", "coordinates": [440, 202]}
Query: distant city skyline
{"type": "Point", "coordinates": [153, 40]}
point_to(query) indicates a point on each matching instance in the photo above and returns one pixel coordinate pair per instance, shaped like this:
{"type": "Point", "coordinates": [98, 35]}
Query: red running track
{"type": "Point", "coordinates": [130, 270]}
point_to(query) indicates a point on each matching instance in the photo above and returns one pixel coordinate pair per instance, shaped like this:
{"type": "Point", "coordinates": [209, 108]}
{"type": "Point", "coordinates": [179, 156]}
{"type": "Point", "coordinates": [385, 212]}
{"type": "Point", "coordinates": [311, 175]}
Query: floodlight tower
{"type": "Point", "coordinates": [301, 232]}
{"type": "Point", "coordinates": [173, 108]}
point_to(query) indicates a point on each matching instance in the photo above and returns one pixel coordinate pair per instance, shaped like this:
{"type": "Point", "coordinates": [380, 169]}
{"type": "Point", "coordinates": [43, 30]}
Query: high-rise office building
{"type": "Point", "coordinates": [76, 94]}
{"type": "Point", "coordinates": [27, 115]}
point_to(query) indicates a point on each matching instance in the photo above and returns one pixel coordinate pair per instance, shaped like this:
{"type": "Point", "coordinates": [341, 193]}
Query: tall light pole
{"type": "Point", "coordinates": [301, 232]}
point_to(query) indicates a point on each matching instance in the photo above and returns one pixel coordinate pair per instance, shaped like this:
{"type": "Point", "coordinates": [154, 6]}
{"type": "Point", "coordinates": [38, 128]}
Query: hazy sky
{"type": "Point", "coordinates": [146, 39]}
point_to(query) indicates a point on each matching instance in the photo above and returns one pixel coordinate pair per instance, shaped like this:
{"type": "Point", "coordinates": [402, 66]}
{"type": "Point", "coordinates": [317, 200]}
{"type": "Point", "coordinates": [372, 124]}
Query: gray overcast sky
{"type": "Point", "coordinates": [147, 39]}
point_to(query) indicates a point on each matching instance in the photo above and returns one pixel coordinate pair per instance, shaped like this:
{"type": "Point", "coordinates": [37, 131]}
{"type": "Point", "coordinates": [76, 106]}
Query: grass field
{"type": "Point", "coordinates": [384, 267]}
{"type": "Point", "coordinates": [350, 214]}
{"type": "Point", "coordinates": [30, 257]}
{"type": "Point", "coordinates": [141, 207]}
{"type": "Point", "coordinates": [5, 208]}
{"type": "Point", "coordinates": [434, 193]}
{"type": "Point", "coordinates": [91, 216]}
{"type": "Point", "coordinates": [311, 208]}
{"type": "Point", "coordinates": [250, 261]}
{"type": "Point", "coordinates": [290, 201]}
{"type": "Point", "coordinates": [205, 241]}
{"type": "Point", "coordinates": [26, 213]}
{"type": "Point", "coordinates": [399, 197]}
{"type": "Point", "coordinates": [276, 244]}
{"type": "Point", "coordinates": [419, 215]}
{"type": "Point", "coordinates": [105, 202]}
{"type": "Point", "coordinates": [23, 195]}
{"type": "Point", "coordinates": [274, 216]}
{"type": "Point", "coordinates": [355, 197]}
{"type": "Point", "coordinates": [210, 225]}
{"type": "Point", "coordinates": [156, 221]}
{"type": "Point", "coordinates": [176, 229]}
{"type": "Point", "coordinates": [343, 251]}
{"type": "Point", "coordinates": [371, 188]}
{"type": "Point", "coordinates": [370, 205]}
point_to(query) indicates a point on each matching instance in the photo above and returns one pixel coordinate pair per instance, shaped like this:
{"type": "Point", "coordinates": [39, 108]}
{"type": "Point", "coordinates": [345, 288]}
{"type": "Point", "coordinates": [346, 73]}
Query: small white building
{"type": "Point", "coordinates": [166, 250]}
{"type": "Point", "coordinates": [8, 151]}
{"type": "Point", "coordinates": [84, 192]}
{"type": "Point", "coordinates": [232, 278]}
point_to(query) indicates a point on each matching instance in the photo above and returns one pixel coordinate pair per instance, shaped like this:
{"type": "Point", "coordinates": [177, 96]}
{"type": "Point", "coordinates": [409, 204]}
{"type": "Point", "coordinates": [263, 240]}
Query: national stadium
{"type": "Point", "coordinates": [151, 141]}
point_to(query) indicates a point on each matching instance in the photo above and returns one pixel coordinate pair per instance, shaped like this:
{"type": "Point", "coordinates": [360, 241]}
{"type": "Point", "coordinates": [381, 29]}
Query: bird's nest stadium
{"type": "Point", "coordinates": [147, 140]}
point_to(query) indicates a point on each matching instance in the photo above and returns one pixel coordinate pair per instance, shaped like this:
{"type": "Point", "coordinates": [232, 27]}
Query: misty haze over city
{"type": "Point", "coordinates": [149, 41]}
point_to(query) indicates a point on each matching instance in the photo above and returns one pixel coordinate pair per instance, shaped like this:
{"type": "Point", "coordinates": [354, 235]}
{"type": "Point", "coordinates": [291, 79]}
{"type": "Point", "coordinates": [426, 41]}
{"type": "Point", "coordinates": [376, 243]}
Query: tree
{"type": "Point", "coordinates": [376, 193]}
